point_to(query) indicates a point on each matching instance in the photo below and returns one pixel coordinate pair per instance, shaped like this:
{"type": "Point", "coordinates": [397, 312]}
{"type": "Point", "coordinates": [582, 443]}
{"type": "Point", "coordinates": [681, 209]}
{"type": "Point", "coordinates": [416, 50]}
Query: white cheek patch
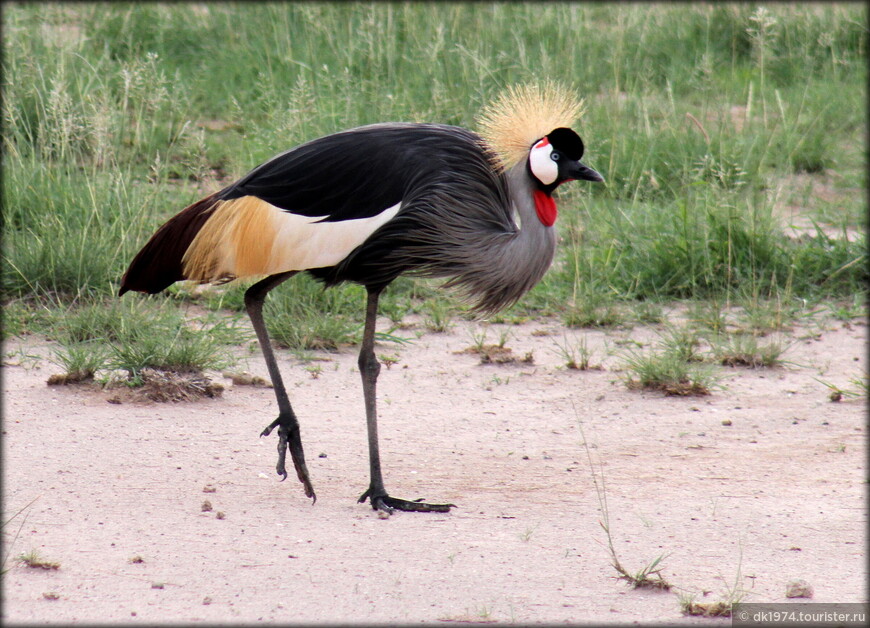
{"type": "Point", "coordinates": [543, 167]}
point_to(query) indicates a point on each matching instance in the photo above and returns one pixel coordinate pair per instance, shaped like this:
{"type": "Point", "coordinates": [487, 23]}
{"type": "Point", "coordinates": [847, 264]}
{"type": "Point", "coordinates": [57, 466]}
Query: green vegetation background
{"type": "Point", "coordinates": [711, 123]}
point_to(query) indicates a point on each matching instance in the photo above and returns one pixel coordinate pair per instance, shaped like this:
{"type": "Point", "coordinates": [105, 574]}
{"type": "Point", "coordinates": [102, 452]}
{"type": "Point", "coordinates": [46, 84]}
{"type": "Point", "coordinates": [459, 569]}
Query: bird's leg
{"type": "Point", "coordinates": [288, 426]}
{"type": "Point", "coordinates": [369, 368]}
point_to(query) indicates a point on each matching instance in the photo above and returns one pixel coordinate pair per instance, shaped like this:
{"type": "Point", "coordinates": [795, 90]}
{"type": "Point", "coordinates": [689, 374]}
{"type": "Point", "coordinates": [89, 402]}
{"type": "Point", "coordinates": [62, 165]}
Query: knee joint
{"type": "Point", "coordinates": [369, 365]}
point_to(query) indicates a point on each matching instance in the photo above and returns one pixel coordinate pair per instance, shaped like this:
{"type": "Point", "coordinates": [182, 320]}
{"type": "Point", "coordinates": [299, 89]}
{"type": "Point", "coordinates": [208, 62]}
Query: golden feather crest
{"type": "Point", "coordinates": [524, 113]}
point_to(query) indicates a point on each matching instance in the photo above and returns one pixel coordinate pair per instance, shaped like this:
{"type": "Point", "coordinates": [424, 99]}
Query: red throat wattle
{"type": "Point", "coordinates": [546, 208]}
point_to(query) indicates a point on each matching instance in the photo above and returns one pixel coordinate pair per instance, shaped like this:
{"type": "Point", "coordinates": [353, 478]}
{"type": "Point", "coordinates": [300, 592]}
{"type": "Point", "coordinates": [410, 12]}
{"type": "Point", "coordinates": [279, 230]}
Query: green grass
{"type": "Point", "coordinates": [747, 350]}
{"type": "Point", "coordinates": [301, 314]}
{"type": "Point", "coordinates": [576, 355]}
{"type": "Point", "coordinates": [130, 335]}
{"type": "Point", "coordinates": [5, 530]}
{"type": "Point", "coordinates": [650, 575]}
{"type": "Point", "coordinates": [438, 315]}
{"type": "Point", "coordinates": [708, 122]}
{"type": "Point", "coordinates": [80, 360]}
{"type": "Point", "coordinates": [858, 389]}
{"type": "Point", "coordinates": [34, 560]}
{"type": "Point", "coordinates": [666, 371]}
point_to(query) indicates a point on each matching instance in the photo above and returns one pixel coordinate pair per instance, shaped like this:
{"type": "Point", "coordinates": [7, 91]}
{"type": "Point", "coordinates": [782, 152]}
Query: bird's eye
{"type": "Point", "coordinates": [554, 156]}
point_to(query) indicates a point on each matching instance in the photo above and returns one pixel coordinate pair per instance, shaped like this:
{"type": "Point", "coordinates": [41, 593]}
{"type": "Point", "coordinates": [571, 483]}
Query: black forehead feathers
{"type": "Point", "coordinates": [566, 142]}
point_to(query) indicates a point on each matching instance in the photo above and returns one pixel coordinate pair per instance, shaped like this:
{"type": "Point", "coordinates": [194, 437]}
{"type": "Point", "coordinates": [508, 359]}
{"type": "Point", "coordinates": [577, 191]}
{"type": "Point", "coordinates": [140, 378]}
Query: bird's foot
{"type": "Point", "coordinates": [289, 438]}
{"type": "Point", "coordinates": [382, 502]}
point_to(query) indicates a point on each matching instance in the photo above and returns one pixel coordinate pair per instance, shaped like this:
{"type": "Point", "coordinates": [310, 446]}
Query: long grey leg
{"type": "Point", "coordinates": [288, 426]}
{"type": "Point", "coordinates": [369, 368]}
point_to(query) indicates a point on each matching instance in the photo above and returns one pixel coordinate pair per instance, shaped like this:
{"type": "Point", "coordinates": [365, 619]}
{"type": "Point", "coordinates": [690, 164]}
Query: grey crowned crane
{"type": "Point", "coordinates": [368, 204]}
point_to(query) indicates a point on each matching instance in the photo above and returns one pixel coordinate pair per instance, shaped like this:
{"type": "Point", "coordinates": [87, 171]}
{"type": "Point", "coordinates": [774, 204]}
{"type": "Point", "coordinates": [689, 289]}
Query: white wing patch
{"type": "Point", "coordinates": [302, 242]}
{"type": "Point", "coordinates": [247, 236]}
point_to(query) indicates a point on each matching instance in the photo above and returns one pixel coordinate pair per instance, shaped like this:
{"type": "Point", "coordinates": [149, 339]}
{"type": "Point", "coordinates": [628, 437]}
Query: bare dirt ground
{"type": "Point", "coordinates": [116, 491]}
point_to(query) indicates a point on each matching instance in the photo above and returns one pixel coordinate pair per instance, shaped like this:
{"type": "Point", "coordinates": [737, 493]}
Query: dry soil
{"type": "Point", "coordinates": [741, 491]}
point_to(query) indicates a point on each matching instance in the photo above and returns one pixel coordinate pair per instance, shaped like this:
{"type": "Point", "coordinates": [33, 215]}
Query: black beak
{"type": "Point", "coordinates": [581, 172]}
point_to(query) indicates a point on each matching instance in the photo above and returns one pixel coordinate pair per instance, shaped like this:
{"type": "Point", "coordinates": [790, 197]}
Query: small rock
{"type": "Point", "coordinates": [157, 585]}
{"type": "Point", "coordinates": [726, 421]}
{"type": "Point", "coordinates": [246, 379]}
{"type": "Point", "coordinates": [220, 514]}
{"type": "Point", "coordinates": [206, 601]}
{"type": "Point", "coordinates": [208, 488]}
{"type": "Point", "coordinates": [206, 506]}
{"type": "Point", "coordinates": [798, 587]}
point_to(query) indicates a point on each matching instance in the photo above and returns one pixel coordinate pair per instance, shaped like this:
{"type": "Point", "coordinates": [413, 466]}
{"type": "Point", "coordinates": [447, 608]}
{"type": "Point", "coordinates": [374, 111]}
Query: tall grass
{"type": "Point", "coordinates": [116, 116]}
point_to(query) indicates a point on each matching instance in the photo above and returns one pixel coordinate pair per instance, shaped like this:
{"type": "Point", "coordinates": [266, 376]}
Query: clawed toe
{"type": "Point", "coordinates": [288, 439]}
{"type": "Point", "coordinates": [387, 504]}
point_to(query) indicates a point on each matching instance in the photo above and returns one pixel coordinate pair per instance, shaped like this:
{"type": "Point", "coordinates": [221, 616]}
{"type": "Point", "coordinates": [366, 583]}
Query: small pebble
{"type": "Point", "coordinates": [726, 421]}
{"type": "Point", "coordinates": [206, 506]}
{"type": "Point", "coordinates": [798, 587]}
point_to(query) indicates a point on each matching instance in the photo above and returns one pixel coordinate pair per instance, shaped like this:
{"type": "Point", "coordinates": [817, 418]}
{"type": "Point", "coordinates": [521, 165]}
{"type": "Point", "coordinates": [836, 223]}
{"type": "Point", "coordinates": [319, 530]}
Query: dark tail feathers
{"type": "Point", "coordinates": [158, 265]}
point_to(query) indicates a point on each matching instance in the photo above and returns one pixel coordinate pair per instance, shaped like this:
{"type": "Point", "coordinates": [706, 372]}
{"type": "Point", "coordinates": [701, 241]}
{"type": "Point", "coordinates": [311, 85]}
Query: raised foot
{"type": "Point", "coordinates": [289, 438]}
{"type": "Point", "coordinates": [387, 504]}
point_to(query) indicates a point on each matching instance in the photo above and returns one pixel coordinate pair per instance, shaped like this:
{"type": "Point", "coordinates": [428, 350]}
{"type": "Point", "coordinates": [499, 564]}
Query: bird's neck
{"type": "Point", "coordinates": [536, 211]}
{"type": "Point", "coordinates": [516, 262]}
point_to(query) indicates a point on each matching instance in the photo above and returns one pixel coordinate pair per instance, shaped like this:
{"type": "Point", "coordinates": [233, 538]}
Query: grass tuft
{"type": "Point", "coordinates": [34, 560]}
{"type": "Point", "coordinates": [746, 350]}
{"type": "Point", "coordinates": [857, 391]}
{"type": "Point", "coordinates": [666, 371]}
{"type": "Point", "coordinates": [577, 356]}
{"type": "Point", "coordinates": [648, 577]}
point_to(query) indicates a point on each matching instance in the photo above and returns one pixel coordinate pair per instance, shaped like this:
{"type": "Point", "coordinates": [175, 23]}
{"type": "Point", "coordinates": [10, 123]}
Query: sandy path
{"type": "Point", "coordinates": [778, 494]}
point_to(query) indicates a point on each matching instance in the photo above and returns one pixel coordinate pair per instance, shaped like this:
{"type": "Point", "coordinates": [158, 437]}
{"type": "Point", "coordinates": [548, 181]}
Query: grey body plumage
{"type": "Point", "coordinates": [493, 268]}
{"type": "Point", "coordinates": [469, 224]}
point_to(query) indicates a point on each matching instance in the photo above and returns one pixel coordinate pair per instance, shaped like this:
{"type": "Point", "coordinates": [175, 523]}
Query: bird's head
{"type": "Point", "coordinates": [555, 159]}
